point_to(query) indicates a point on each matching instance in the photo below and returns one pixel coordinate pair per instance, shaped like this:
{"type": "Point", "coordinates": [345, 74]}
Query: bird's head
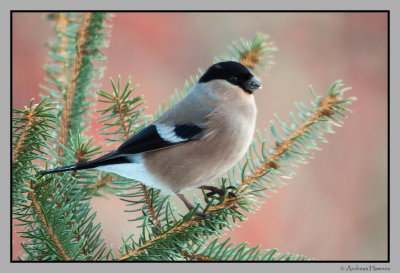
{"type": "Point", "coordinates": [234, 73]}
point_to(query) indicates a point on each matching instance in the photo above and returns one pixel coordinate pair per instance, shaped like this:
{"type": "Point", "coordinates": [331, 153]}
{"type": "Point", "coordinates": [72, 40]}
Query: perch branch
{"type": "Point", "coordinates": [324, 109]}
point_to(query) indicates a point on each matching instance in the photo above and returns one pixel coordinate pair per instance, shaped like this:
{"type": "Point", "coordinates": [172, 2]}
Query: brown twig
{"type": "Point", "coordinates": [49, 229]}
{"type": "Point", "coordinates": [101, 181]}
{"type": "Point", "coordinates": [197, 257]}
{"type": "Point", "coordinates": [61, 24]}
{"type": "Point", "coordinates": [142, 248]}
{"type": "Point", "coordinates": [149, 205]}
{"type": "Point", "coordinates": [251, 58]}
{"type": "Point", "coordinates": [65, 120]}
{"type": "Point", "coordinates": [30, 119]}
{"type": "Point", "coordinates": [122, 118]}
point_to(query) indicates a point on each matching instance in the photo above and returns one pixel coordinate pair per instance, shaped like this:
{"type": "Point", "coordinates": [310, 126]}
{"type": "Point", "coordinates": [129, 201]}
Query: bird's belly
{"type": "Point", "coordinates": [136, 171]}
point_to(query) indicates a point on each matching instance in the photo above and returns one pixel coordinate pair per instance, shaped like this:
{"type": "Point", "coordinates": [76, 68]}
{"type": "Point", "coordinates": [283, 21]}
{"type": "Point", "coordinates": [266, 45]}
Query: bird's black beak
{"type": "Point", "coordinates": [252, 85]}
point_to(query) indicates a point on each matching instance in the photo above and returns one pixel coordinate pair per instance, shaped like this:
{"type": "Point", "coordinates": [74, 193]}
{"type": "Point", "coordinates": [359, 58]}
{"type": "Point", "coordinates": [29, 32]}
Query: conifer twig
{"type": "Point", "coordinates": [102, 181]}
{"type": "Point", "coordinates": [49, 229]}
{"type": "Point", "coordinates": [65, 120]}
{"type": "Point", "coordinates": [61, 24]}
{"type": "Point", "coordinates": [30, 118]}
{"type": "Point", "coordinates": [142, 248]}
{"type": "Point", "coordinates": [80, 155]}
{"type": "Point", "coordinates": [150, 205]}
{"type": "Point", "coordinates": [197, 257]}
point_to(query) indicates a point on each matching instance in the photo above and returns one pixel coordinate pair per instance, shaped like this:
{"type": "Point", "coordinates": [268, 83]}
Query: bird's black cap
{"type": "Point", "coordinates": [233, 72]}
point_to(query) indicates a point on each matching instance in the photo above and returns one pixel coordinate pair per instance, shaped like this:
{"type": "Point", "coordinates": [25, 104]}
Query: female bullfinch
{"type": "Point", "coordinates": [195, 141]}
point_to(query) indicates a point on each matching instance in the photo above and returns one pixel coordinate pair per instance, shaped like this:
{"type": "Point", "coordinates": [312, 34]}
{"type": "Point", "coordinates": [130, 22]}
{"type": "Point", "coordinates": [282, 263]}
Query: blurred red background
{"type": "Point", "coordinates": [335, 208]}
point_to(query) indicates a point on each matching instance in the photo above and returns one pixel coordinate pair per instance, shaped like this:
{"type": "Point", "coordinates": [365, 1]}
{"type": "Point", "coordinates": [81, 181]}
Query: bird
{"type": "Point", "coordinates": [195, 141]}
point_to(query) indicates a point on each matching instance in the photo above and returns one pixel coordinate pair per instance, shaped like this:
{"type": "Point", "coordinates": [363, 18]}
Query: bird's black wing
{"type": "Point", "coordinates": [155, 137]}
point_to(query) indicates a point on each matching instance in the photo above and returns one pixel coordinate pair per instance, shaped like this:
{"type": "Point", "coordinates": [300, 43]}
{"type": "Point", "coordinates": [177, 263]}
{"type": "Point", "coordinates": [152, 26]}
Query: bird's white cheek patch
{"type": "Point", "coordinates": [136, 171]}
{"type": "Point", "coordinates": [167, 133]}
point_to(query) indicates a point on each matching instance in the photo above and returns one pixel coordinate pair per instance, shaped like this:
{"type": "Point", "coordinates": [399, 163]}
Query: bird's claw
{"type": "Point", "coordinates": [220, 192]}
{"type": "Point", "coordinates": [204, 215]}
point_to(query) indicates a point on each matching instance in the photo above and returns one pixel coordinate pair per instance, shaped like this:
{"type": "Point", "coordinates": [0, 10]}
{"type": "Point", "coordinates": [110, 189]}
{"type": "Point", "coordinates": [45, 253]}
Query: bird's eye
{"type": "Point", "coordinates": [233, 79]}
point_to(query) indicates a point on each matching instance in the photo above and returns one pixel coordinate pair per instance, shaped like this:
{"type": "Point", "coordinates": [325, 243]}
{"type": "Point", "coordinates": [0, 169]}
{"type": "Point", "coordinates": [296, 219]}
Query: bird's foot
{"type": "Point", "coordinates": [191, 207]}
{"type": "Point", "coordinates": [221, 192]}
{"type": "Point", "coordinates": [213, 191]}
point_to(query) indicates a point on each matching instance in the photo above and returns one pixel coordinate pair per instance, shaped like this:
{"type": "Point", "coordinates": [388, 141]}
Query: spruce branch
{"type": "Point", "coordinates": [49, 229]}
{"type": "Point", "coordinates": [54, 210]}
{"type": "Point", "coordinates": [255, 54]}
{"type": "Point", "coordinates": [65, 120]}
{"type": "Point", "coordinates": [30, 118]}
{"type": "Point", "coordinates": [225, 251]}
{"type": "Point", "coordinates": [58, 222]}
{"type": "Point", "coordinates": [179, 228]}
{"type": "Point", "coordinates": [30, 129]}
{"type": "Point", "coordinates": [81, 149]}
{"type": "Point", "coordinates": [123, 111]}
{"type": "Point", "coordinates": [149, 204]}
{"type": "Point", "coordinates": [71, 69]}
{"type": "Point", "coordinates": [258, 53]}
{"type": "Point", "coordinates": [58, 215]}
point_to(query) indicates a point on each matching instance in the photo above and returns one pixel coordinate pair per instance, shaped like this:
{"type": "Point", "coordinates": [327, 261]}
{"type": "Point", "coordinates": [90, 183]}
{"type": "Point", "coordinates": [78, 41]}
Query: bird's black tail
{"type": "Point", "coordinates": [108, 159]}
{"type": "Point", "coordinates": [79, 166]}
